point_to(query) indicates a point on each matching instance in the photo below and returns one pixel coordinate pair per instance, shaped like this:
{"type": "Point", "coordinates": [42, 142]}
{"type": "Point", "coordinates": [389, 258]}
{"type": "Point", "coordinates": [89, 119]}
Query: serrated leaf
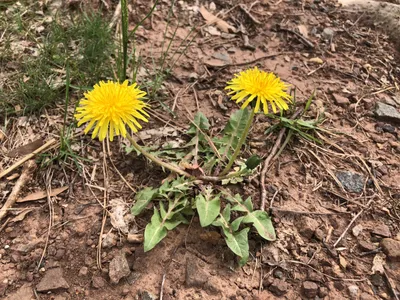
{"type": "Point", "coordinates": [263, 224]}
{"type": "Point", "coordinates": [143, 198]}
{"type": "Point", "coordinates": [154, 232]}
{"type": "Point", "coordinates": [200, 122]}
{"type": "Point", "coordinates": [232, 133]}
{"type": "Point", "coordinates": [239, 244]}
{"type": "Point", "coordinates": [208, 208]}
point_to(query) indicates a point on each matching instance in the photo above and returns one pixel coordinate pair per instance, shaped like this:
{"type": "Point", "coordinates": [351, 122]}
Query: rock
{"type": "Point", "coordinates": [98, 282]}
{"type": "Point", "coordinates": [339, 285]}
{"type": "Point", "coordinates": [340, 100]}
{"type": "Point", "coordinates": [366, 296]}
{"type": "Point", "coordinates": [386, 112]}
{"type": "Point", "coordinates": [307, 226]}
{"type": "Point", "coordinates": [352, 182]}
{"type": "Point", "coordinates": [23, 293]}
{"type": "Point", "coordinates": [377, 280]}
{"type": "Point", "coordinates": [278, 287]}
{"type": "Point", "coordinates": [195, 276]}
{"type": "Point", "coordinates": [323, 292]}
{"type": "Point", "coordinates": [109, 240]}
{"type": "Point", "coordinates": [145, 295]}
{"type": "Point", "coordinates": [52, 281]}
{"type": "Point", "coordinates": [391, 248]}
{"type": "Point", "coordinates": [222, 56]}
{"type": "Point", "coordinates": [328, 33]}
{"type": "Point", "coordinates": [83, 271]}
{"type": "Point", "coordinates": [366, 246]}
{"type": "Point", "coordinates": [319, 234]}
{"type": "Point", "coordinates": [357, 230]}
{"type": "Point", "coordinates": [310, 289]}
{"type": "Point", "coordinates": [59, 254]}
{"type": "Point", "coordinates": [3, 288]}
{"type": "Point", "coordinates": [353, 291]}
{"type": "Point", "coordinates": [119, 268]}
{"type": "Point", "coordinates": [213, 286]}
{"type": "Point", "coordinates": [125, 291]}
{"type": "Point", "coordinates": [381, 230]}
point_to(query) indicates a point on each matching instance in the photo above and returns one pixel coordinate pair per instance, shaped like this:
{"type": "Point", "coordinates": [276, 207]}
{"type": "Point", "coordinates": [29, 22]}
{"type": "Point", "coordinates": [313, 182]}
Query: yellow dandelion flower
{"type": "Point", "coordinates": [109, 107]}
{"type": "Point", "coordinates": [260, 86]}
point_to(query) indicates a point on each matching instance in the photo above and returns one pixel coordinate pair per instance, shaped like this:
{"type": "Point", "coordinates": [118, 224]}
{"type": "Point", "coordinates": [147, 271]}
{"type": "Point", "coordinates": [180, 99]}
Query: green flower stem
{"type": "Point", "coordinates": [239, 145]}
{"type": "Point", "coordinates": [156, 160]}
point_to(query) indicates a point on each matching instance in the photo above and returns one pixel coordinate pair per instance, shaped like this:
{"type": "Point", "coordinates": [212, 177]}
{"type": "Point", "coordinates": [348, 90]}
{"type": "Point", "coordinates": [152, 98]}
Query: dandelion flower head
{"type": "Point", "coordinates": [109, 107]}
{"type": "Point", "coordinates": [262, 87]}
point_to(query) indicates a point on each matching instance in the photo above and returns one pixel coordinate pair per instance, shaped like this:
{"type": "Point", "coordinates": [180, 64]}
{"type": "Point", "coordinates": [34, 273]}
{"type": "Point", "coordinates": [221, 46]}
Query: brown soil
{"type": "Point", "coordinates": [329, 239]}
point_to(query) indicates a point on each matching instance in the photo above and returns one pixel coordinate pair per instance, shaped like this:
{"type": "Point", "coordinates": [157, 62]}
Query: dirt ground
{"type": "Point", "coordinates": [335, 206]}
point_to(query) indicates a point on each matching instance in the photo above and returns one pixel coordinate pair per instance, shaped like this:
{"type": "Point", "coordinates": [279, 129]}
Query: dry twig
{"type": "Point", "coordinates": [29, 167]}
{"type": "Point", "coordinates": [269, 159]}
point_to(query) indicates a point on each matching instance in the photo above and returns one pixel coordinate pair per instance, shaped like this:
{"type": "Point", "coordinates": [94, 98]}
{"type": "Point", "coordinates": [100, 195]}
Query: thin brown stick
{"type": "Point", "coordinates": [391, 285]}
{"type": "Point", "coordinates": [299, 212]}
{"type": "Point", "coordinates": [105, 196]}
{"type": "Point", "coordinates": [269, 159]}
{"type": "Point", "coordinates": [322, 273]}
{"type": "Point", "coordinates": [351, 223]}
{"type": "Point", "coordinates": [47, 180]}
{"type": "Point", "coordinates": [12, 198]}
{"type": "Point", "coordinates": [26, 158]}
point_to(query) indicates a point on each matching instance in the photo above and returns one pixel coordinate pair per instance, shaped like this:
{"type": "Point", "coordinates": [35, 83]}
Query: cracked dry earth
{"type": "Point", "coordinates": [334, 206]}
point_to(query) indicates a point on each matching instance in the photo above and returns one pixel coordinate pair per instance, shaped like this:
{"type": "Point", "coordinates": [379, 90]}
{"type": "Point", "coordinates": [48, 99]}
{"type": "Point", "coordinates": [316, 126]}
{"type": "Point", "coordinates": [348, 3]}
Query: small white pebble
{"type": "Point", "coordinates": [42, 270]}
{"type": "Point", "coordinates": [6, 247]}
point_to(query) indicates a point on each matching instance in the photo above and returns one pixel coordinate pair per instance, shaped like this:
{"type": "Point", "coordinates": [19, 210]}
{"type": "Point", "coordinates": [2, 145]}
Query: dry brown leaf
{"type": "Point", "coordinates": [21, 215]}
{"type": "Point", "coordinates": [211, 19]}
{"type": "Point", "coordinates": [42, 194]}
{"type": "Point", "coordinates": [26, 149]}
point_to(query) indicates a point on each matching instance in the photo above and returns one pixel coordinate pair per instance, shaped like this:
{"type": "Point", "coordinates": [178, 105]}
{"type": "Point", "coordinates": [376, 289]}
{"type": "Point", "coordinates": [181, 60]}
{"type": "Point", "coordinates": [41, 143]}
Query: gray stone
{"type": "Point", "coordinates": [119, 268]}
{"type": "Point", "coordinates": [352, 182]}
{"type": "Point", "coordinates": [353, 291]}
{"type": "Point", "coordinates": [328, 33]}
{"type": "Point", "coordinates": [83, 271]}
{"type": "Point", "coordinates": [23, 293]}
{"type": "Point", "coordinates": [52, 281]}
{"type": "Point", "coordinates": [194, 276]}
{"type": "Point", "coordinates": [386, 112]}
{"type": "Point", "coordinates": [278, 287]}
{"type": "Point", "coordinates": [307, 226]}
{"type": "Point", "coordinates": [98, 282]}
{"type": "Point", "coordinates": [310, 289]}
{"type": "Point", "coordinates": [340, 100]}
{"type": "Point", "coordinates": [391, 248]}
{"type": "Point", "coordinates": [145, 295]}
{"type": "Point", "coordinates": [222, 56]}
{"type": "Point", "coordinates": [366, 246]}
{"type": "Point", "coordinates": [109, 240]}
